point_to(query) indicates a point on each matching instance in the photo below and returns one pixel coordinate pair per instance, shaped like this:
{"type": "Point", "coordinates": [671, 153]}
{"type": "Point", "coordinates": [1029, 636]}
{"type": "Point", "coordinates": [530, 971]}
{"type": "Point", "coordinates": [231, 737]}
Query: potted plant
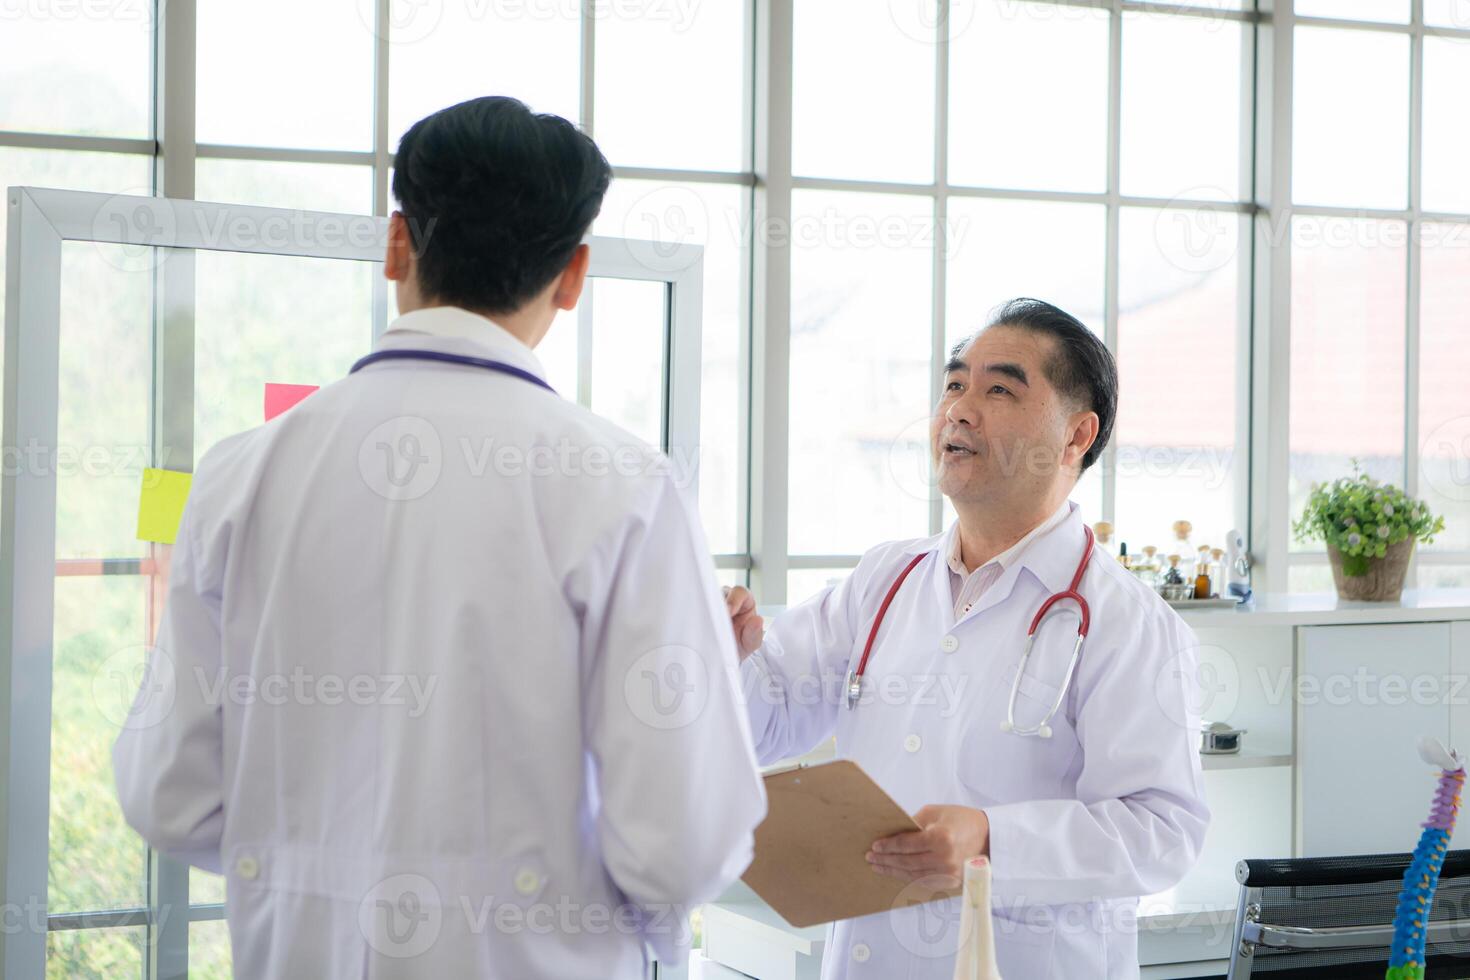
{"type": "Point", "coordinates": [1370, 529]}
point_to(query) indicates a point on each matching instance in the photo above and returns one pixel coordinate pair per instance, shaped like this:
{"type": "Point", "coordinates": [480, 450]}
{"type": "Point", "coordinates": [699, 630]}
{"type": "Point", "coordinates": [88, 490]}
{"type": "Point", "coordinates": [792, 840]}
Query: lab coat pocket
{"type": "Point", "coordinates": [1006, 767]}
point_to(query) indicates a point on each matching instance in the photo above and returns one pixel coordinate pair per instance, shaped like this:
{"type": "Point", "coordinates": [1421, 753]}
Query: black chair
{"type": "Point", "coordinates": [1331, 918]}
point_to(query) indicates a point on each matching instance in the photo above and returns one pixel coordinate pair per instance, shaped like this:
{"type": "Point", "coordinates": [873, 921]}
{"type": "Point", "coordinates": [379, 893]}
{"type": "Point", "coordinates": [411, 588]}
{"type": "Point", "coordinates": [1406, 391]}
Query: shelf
{"type": "Point", "coordinates": [1326, 609]}
{"type": "Point", "coordinates": [1246, 759]}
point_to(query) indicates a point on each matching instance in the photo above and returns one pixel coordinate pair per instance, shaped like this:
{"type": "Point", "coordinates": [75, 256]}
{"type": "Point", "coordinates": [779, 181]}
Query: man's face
{"type": "Point", "coordinates": [1001, 431]}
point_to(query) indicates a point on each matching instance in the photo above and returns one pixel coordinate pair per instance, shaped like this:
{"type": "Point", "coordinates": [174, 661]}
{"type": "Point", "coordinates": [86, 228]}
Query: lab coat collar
{"type": "Point", "coordinates": [1051, 556]}
{"type": "Point", "coordinates": [460, 331]}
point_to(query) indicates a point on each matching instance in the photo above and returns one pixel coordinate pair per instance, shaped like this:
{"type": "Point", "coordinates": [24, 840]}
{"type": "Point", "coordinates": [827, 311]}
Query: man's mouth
{"type": "Point", "coordinates": [955, 449]}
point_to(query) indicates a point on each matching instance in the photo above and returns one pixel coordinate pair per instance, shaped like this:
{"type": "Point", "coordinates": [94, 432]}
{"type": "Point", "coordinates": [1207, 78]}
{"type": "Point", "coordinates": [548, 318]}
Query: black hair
{"type": "Point", "coordinates": [497, 198]}
{"type": "Point", "coordinates": [1082, 368]}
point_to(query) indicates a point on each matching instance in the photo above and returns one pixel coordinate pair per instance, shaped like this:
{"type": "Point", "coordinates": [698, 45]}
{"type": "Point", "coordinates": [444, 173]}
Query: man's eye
{"type": "Point", "coordinates": [953, 386]}
{"type": "Point", "coordinates": [999, 389]}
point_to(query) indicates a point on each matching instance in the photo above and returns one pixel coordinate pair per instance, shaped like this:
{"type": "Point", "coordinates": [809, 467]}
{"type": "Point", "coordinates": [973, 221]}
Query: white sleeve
{"type": "Point", "coordinates": [1139, 819]}
{"type": "Point", "coordinates": [168, 761]}
{"type": "Point", "coordinates": [795, 683]}
{"type": "Point", "coordinates": [679, 790]}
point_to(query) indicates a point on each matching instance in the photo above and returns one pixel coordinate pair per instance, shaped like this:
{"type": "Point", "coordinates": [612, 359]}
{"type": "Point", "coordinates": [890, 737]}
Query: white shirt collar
{"type": "Point", "coordinates": [1008, 557]}
{"type": "Point", "coordinates": [453, 323]}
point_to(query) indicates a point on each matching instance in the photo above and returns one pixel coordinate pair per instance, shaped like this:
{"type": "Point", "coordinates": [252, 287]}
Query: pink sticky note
{"type": "Point", "coordinates": [278, 397]}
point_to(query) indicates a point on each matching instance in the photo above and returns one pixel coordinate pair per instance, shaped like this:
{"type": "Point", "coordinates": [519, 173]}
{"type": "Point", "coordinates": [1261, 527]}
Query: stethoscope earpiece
{"type": "Point", "coordinates": [1044, 731]}
{"type": "Point", "coordinates": [1006, 726]}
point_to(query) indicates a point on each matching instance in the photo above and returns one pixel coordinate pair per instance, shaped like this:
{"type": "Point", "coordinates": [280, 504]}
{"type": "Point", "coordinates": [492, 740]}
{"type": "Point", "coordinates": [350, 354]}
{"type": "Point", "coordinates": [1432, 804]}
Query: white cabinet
{"type": "Point", "coordinates": [1365, 695]}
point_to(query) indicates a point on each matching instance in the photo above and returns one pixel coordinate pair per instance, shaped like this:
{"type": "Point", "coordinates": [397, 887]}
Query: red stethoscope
{"type": "Point", "coordinates": [1043, 728]}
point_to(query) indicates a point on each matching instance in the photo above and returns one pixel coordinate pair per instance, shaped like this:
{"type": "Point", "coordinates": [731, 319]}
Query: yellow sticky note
{"type": "Point", "coordinates": [161, 506]}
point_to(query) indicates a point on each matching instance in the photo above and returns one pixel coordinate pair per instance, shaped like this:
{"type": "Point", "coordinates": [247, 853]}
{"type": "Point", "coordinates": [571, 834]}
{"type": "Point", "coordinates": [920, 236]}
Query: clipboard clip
{"type": "Point", "coordinates": [854, 689]}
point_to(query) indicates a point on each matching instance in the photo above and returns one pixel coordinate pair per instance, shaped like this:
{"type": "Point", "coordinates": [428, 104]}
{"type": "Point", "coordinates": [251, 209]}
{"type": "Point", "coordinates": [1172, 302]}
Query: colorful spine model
{"type": "Point", "coordinates": [1406, 956]}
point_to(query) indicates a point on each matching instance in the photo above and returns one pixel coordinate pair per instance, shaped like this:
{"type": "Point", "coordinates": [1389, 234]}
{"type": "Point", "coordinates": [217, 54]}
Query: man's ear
{"type": "Point", "coordinates": [569, 286]}
{"type": "Point", "coordinates": [1085, 426]}
{"type": "Point", "coordinates": [398, 263]}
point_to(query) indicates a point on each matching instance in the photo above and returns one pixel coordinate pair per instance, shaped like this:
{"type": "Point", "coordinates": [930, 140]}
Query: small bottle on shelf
{"type": "Point", "coordinates": [1217, 570]}
{"type": "Point", "coordinates": [1202, 579]}
{"type": "Point", "coordinates": [1174, 576]}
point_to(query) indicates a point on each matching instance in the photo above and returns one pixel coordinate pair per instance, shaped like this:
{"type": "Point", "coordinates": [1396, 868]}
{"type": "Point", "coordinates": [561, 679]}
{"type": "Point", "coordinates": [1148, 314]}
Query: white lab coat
{"type": "Point", "coordinates": [1109, 809]}
{"type": "Point", "coordinates": [514, 670]}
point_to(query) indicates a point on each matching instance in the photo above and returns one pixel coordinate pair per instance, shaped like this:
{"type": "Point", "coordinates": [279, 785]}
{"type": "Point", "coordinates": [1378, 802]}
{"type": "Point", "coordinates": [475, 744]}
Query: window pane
{"type": "Point", "coordinates": [271, 318]}
{"type": "Point", "coordinates": [557, 353]}
{"type": "Point", "coordinates": [95, 953]}
{"type": "Point", "coordinates": [999, 250]}
{"type": "Point", "coordinates": [1012, 125]}
{"type": "Point", "coordinates": [717, 217]}
{"type": "Point", "coordinates": [284, 73]}
{"type": "Point", "coordinates": [1446, 138]}
{"type": "Point", "coordinates": [1444, 576]}
{"type": "Point", "coordinates": [863, 105]}
{"type": "Point", "coordinates": [628, 355]}
{"type": "Point", "coordinates": [1181, 107]}
{"type": "Point", "coordinates": [1444, 363]}
{"type": "Point", "coordinates": [527, 50]}
{"type": "Point", "coordinates": [209, 950]}
{"type": "Point", "coordinates": [1447, 13]}
{"type": "Point", "coordinates": [302, 186]}
{"type": "Point", "coordinates": [1347, 352]}
{"type": "Point", "coordinates": [1210, 4]}
{"type": "Point", "coordinates": [205, 888]}
{"type": "Point", "coordinates": [861, 281]}
{"type": "Point", "coordinates": [105, 384]}
{"type": "Point", "coordinates": [96, 861]}
{"type": "Point", "coordinates": [642, 48]}
{"type": "Point", "coordinates": [1387, 11]}
{"type": "Point", "coordinates": [77, 68]}
{"type": "Point", "coordinates": [803, 583]}
{"type": "Point", "coordinates": [1178, 320]}
{"type": "Point", "coordinates": [1310, 578]}
{"type": "Point", "coordinates": [1351, 118]}
{"type": "Point", "coordinates": [111, 173]}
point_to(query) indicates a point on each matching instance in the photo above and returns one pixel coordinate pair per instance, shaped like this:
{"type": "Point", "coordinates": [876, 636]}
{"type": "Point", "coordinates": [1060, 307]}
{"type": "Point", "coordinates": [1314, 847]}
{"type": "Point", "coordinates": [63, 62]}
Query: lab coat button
{"type": "Point", "coordinates": [527, 881]}
{"type": "Point", "coordinates": [950, 643]}
{"type": "Point", "coordinates": [247, 867]}
{"type": "Point", "coordinates": [861, 952]}
{"type": "Point", "coordinates": [912, 743]}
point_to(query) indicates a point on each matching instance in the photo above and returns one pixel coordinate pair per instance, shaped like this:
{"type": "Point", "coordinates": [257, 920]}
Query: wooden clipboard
{"type": "Point", "coordinates": [811, 850]}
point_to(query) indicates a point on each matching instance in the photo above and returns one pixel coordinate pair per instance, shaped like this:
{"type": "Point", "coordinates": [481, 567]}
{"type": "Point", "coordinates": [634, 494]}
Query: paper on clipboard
{"type": "Point", "coordinates": [811, 850]}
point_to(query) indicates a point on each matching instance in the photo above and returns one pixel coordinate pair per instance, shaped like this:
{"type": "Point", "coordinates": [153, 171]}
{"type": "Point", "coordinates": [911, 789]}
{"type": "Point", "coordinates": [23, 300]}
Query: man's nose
{"type": "Point", "coordinates": [961, 411]}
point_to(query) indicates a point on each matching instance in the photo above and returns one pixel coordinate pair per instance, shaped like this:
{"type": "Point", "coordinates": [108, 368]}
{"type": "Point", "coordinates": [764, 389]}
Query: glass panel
{"type": "Point", "coordinates": [96, 861]}
{"type": "Point", "coordinates": [302, 186]}
{"type": "Point", "coordinates": [1351, 118]}
{"type": "Point", "coordinates": [1444, 364]}
{"type": "Point", "coordinates": [1178, 320]}
{"type": "Point", "coordinates": [717, 217]}
{"type": "Point", "coordinates": [1386, 11]}
{"type": "Point", "coordinates": [1012, 125]}
{"type": "Point", "coordinates": [1181, 107]}
{"type": "Point", "coordinates": [95, 954]}
{"type": "Point", "coordinates": [803, 583]}
{"type": "Point", "coordinates": [110, 173]}
{"type": "Point", "coordinates": [1446, 138]}
{"type": "Point", "coordinates": [643, 48]}
{"type": "Point", "coordinates": [1310, 578]}
{"type": "Point", "coordinates": [105, 382]}
{"type": "Point", "coordinates": [1444, 576]}
{"type": "Point", "coordinates": [205, 888]}
{"type": "Point", "coordinates": [77, 68]}
{"type": "Point", "coordinates": [999, 250]}
{"type": "Point", "coordinates": [1347, 352]}
{"type": "Point", "coordinates": [861, 281]}
{"type": "Point", "coordinates": [310, 72]}
{"type": "Point", "coordinates": [628, 326]}
{"type": "Point", "coordinates": [271, 318]}
{"type": "Point", "coordinates": [1211, 4]}
{"type": "Point", "coordinates": [527, 50]}
{"type": "Point", "coordinates": [209, 950]}
{"type": "Point", "coordinates": [863, 100]}
{"type": "Point", "coordinates": [1447, 13]}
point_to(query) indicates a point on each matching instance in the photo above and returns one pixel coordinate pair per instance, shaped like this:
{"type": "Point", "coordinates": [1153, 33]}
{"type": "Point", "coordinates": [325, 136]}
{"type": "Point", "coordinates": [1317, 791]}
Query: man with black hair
{"type": "Point", "coordinates": [443, 652]}
{"type": "Point", "coordinates": [1082, 787]}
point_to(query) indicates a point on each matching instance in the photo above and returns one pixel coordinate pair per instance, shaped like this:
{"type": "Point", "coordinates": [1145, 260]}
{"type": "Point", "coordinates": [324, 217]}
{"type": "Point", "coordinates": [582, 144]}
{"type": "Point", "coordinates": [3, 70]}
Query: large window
{"type": "Point", "coordinates": [1379, 251]}
{"type": "Point", "coordinates": [1097, 156]}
